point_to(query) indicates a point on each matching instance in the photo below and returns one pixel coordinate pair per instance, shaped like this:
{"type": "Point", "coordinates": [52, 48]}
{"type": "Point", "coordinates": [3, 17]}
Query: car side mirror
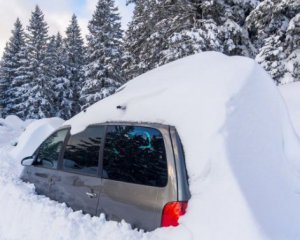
{"type": "Point", "coordinates": [27, 161]}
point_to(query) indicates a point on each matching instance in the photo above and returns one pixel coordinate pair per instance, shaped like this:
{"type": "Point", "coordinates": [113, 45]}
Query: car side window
{"type": "Point", "coordinates": [48, 152]}
{"type": "Point", "coordinates": [82, 151]}
{"type": "Point", "coordinates": [136, 155]}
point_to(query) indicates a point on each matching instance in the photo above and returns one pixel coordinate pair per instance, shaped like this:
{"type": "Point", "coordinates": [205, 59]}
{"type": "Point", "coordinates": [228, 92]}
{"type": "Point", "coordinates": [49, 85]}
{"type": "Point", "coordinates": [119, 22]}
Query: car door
{"type": "Point", "coordinates": [46, 162]}
{"type": "Point", "coordinates": [77, 183]}
{"type": "Point", "coordinates": [136, 184]}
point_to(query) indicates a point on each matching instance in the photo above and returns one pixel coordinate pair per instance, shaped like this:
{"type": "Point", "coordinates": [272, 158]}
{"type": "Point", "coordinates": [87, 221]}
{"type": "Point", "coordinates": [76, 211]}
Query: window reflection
{"type": "Point", "coordinates": [82, 151]}
{"type": "Point", "coordinates": [136, 155]}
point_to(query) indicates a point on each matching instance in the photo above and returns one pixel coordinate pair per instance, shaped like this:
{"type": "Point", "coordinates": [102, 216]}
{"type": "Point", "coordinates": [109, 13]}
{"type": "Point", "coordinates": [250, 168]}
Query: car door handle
{"type": "Point", "coordinates": [91, 195]}
{"type": "Point", "coordinates": [53, 180]}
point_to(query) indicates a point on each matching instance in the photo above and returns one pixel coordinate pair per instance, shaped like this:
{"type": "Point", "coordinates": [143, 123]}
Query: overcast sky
{"type": "Point", "coordinates": [57, 14]}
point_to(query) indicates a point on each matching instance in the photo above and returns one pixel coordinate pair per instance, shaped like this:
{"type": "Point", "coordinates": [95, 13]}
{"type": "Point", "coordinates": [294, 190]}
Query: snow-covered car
{"type": "Point", "coordinates": [126, 170]}
{"type": "Point", "coordinates": [241, 155]}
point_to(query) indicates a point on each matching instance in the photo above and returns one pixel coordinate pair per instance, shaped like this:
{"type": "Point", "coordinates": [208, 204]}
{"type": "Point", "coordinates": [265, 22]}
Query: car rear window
{"type": "Point", "coordinates": [136, 155]}
{"type": "Point", "coordinates": [82, 151]}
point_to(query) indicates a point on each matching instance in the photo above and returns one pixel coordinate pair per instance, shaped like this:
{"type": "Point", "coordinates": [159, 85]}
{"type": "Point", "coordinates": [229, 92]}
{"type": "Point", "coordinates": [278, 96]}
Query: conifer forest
{"type": "Point", "coordinates": [46, 76]}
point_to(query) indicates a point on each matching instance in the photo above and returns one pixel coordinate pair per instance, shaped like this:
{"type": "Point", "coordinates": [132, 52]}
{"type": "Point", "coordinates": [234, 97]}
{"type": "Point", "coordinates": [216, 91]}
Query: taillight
{"type": "Point", "coordinates": [172, 212]}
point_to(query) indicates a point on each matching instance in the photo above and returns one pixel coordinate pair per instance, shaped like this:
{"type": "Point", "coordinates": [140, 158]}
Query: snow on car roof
{"type": "Point", "coordinates": [241, 150]}
{"type": "Point", "coordinates": [192, 85]}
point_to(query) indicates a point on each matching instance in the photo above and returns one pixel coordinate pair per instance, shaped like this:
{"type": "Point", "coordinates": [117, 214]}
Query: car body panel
{"type": "Point", "coordinates": [41, 177]}
{"type": "Point", "coordinates": [78, 191]}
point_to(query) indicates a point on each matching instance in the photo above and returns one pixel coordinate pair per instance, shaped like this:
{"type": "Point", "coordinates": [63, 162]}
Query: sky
{"type": "Point", "coordinates": [57, 14]}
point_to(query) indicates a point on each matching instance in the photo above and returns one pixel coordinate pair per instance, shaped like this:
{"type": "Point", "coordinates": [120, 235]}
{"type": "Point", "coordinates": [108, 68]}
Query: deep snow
{"type": "Point", "coordinates": [241, 151]}
{"type": "Point", "coordinates": [290, 93]}
{"type": "Point", "coordinates": [37, 132]}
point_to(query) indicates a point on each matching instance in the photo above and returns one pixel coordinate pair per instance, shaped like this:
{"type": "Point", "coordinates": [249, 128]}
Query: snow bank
{"type": "Point", "coordinates": [14, 126]}
{"type": "Point", "coordinates": [34, 135]}
{"type": "Point", "coordinates": [241, 151]}
{"type": "Point", "coordinates": [290, 93]}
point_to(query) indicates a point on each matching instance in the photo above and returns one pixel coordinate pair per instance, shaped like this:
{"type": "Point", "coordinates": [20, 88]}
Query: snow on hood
{"type": "Point", "coordinates": [35, 134]}
{"type": "Point", "coordinates": [242, 154]}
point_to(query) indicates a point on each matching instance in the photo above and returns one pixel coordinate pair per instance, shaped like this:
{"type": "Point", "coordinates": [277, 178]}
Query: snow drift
{"type": "Point", "coordinates": [14, 126]}
{"type": "Point", "coordinates": [34, 135]}
{"type": "Point", "coordinates": [290, 93]}
{"type": "Point", "coordinates": [241, 152]}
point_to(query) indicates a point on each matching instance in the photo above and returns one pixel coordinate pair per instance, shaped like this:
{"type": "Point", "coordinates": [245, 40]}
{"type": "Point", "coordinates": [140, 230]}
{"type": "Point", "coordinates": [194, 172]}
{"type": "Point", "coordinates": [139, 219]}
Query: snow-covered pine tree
{"type": "Point", "coordinates": [293, 49]}
{"type": "Point", "coordinates": [75, 53]}
{"type": "Point", "coordinates": [5, 82]}
{"type": "Point", "coordinates": [20, 86]}
{"type": "Point", "coordinates": [56, 74]}
{"type": "Point", "coordinates": [162, 31]}
{"type": "Point", "coordinates": [37, 91]}
{"type": "Point", "coordinates": [213, 25]}
{"type": "Point", "coordinates": [104, 54]}
{"type": "Point", "coordinates": [274, 29]}
{"type": "Point", "coordinates": [191, 28]}
{"type": "Point", "coordinates": [271, 57]}
{"type": "Point", "coordinates": [139, 30]}
{"type": "Point", "coordinates": [50, 72]}
{"type": "Point", "coordinates": [12, 59]}
{"type": "Point", "coordinates": [232, 19]}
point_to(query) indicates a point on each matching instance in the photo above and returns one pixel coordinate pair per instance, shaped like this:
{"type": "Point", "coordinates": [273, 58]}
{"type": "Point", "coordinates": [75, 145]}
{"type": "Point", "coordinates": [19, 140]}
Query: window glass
{"type": "Point", "coordinates": [48, 152]}
{"type": "Point", "coordinates": [135, 155]}
{"type": "Point", "coordinates": [82, 151]}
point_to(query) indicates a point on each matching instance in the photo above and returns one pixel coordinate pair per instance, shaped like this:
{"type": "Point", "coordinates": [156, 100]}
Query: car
{"type": "Point", "coordinates": [128, 171]}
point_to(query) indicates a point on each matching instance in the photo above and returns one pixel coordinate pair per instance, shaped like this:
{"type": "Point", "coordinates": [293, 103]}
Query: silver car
{"type": "Point", "coordinates": [126, 170]}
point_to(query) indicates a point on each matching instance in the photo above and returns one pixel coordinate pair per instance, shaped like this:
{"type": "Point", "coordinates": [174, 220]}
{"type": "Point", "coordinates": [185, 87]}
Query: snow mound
{"type": "Point", "coordinates": [290, 93]}
{"type": "Point", "coordinates": [242, 157]}
{"type": "Point", "coordinates": [242, 154]}
{"type": "Point", "coordinates": [14, 126]}
{"type": "Point", "coordinates": [34, 135]}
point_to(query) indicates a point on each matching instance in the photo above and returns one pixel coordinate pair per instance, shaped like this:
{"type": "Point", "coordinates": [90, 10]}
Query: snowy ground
{"type": "Point", "coordinates": [246, 185]}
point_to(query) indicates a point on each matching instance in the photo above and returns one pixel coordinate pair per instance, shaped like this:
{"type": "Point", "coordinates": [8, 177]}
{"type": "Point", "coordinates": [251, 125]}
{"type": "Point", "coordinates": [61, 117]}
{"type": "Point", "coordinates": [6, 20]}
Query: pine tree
{"type": "Point", "coordinates": [104, 54]}
{"type": "Point", "coordinates": [191, 28]}
{"type": "Point", "coordinates": [11, 62]}
{"type": "Point", "coordinates": [162, 31]}
{"type": "Point", "coordinates": [75, 61]}
{"type": "Point", "coordinates": [293, 51]}
{"type": "Point", "coordinates": [274, 29]}
{"type": "Point", "coordinates": [57, 76]}
{"type": "Point", "coordinates": [234, 35]}
{"type": "Point", "coordinates": [37, 91]}
{"type": "Point", "coordinates": [271, 57]}
{"type": "Point", "coordinates": [20, 87]}
{"type": "Point", "coordinates": [139, 31]}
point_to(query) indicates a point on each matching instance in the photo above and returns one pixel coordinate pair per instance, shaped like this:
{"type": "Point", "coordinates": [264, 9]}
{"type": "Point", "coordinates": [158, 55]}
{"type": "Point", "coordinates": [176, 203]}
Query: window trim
{"type": "Point", "coordinates": [101, 153]}
{"type": "Point", "coordinates": [60, 163]}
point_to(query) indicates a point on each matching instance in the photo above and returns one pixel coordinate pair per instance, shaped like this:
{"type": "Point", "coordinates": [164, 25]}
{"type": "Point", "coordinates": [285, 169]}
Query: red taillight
{"type": "Point", "coordinates": [171, 213]}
